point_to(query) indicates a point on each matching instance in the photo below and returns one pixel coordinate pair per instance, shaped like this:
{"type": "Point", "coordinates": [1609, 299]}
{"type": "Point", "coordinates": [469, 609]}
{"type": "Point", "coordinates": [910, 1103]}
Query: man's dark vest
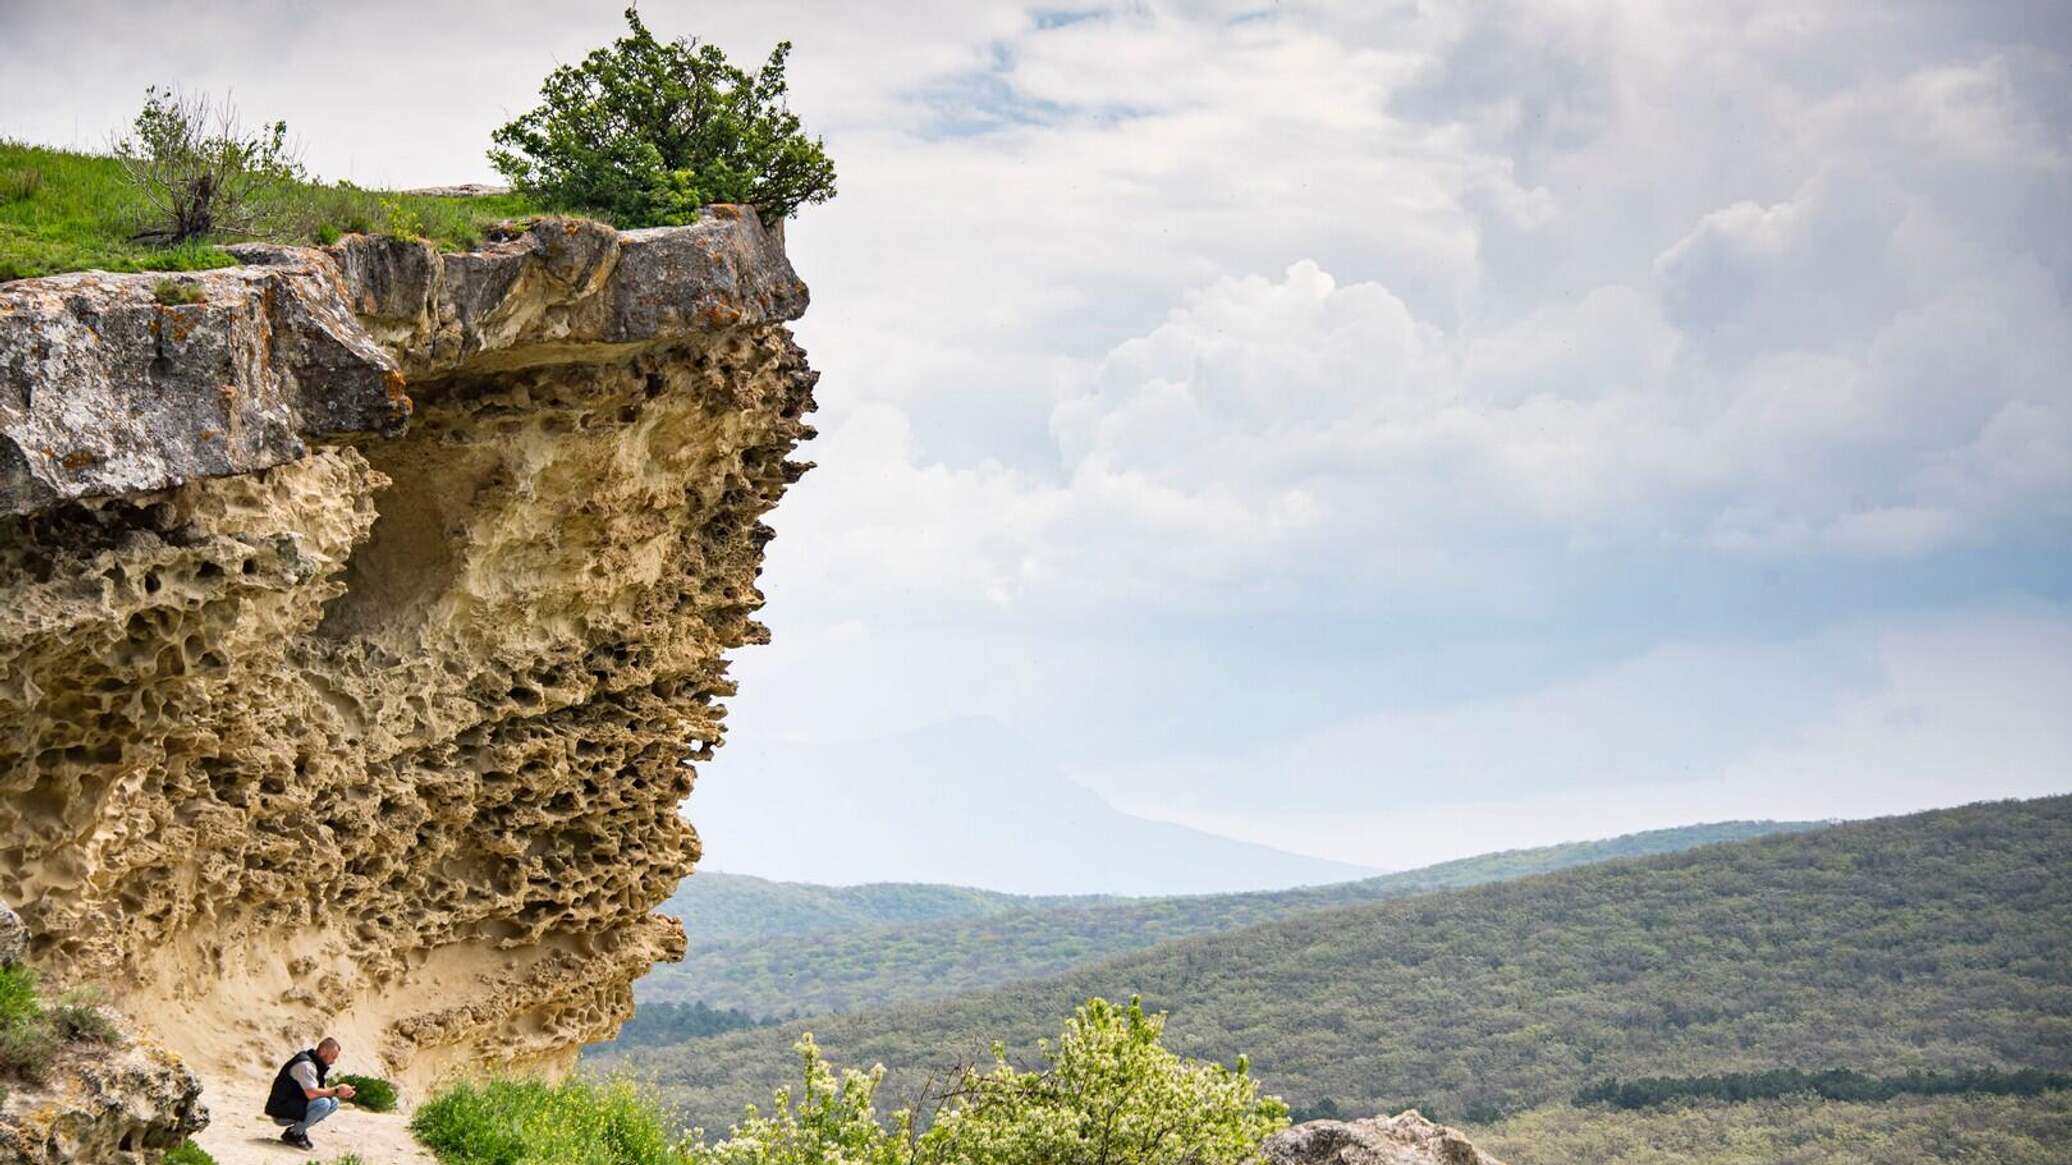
{"type": "Point", "coordinates": [287, 1101]}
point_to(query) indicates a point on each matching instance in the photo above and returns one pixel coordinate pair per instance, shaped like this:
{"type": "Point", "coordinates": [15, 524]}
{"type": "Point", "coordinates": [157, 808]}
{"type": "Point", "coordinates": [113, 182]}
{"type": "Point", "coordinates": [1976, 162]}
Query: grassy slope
{"type": "Point", "coordinates": [1933, 941]}
{"type": "Point", "coordinates": [981, 940]}
{"type": "Point", "coordinates": [2002, 1130]}
{"type": "Point", "coordinates": [65, 211]}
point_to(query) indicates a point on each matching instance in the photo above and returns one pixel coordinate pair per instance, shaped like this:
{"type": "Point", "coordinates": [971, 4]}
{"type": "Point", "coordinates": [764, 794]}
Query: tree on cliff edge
{"type": "Point", "coordinates": [645, 132]}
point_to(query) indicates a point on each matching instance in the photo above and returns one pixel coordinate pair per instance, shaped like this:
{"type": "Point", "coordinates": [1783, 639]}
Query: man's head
{"type": "Point", "coordinates": [327, 1050]}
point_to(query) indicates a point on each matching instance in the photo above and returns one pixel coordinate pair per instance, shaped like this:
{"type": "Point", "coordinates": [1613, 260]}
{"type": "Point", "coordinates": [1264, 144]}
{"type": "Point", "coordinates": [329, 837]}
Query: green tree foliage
{"type": "Point", "coordinates": [660, 1024]}
{"type": "Point", "coordinates": [1933, 941]}
{"type": "Point", "coordinates": [830, 1118]}
{"type": "Point", "coordinates": [646, 132]}
{"type": "Point", "coordinates": [1833, 1084]}
{"type": "Point", "coordinates": [1112, 1095]}
{"type": "Point", "coordinates": [883, 944]}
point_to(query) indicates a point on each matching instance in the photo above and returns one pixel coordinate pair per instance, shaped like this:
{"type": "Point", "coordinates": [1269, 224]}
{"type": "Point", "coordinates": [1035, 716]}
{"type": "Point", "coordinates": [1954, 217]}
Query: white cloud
{"type": "Point", "coordinates": [1190, 365]}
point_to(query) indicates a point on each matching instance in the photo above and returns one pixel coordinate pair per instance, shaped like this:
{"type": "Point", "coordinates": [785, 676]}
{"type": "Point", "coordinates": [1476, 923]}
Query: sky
{"type": "Point", "coordinates": [1383, 431]}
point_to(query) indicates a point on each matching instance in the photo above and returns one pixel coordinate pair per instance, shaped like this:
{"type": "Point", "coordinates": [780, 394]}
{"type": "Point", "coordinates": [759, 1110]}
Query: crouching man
{"type": "Point", "coordinates": [299, 1098]}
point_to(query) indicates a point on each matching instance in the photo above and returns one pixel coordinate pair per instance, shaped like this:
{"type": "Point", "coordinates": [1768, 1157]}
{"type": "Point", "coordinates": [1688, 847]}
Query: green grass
{"type": "Point", "coordinates": [526, 1122]}
{"type": "Point", "coordinates": [31, 1033]}
{"type": "Point", "coordinates": [188, 1153]}
{"type": "Point", "coordinates": [18, 1002]}
{"type": "Point", "coordinates": [61, 211]}
{"type": "Point", "coordinates": [370, 1092]}
{"type": "Point", "coordinates": [1986, 1130]}
{"type": "Point", "coordinates": [1933, 941]}
{"type": "Point", "coordinates": [883, 944]}
{"type": "Point", "coordinates": [27, 1039]}
{"type": "Point", "coordinates": [65, 211]}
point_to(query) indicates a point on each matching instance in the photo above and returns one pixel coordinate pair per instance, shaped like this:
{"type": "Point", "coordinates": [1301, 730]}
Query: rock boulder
{"type": "Point", "coordinates": [1405, 1139]}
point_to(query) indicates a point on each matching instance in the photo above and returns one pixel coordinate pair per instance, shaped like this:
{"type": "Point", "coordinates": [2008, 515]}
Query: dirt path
{"type": "Point", "coordinates": [239, 1135]}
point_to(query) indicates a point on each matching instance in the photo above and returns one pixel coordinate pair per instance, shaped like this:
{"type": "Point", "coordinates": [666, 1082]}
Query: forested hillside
{"type": "Point", "coordinates": [737, 908]}
{"type": "Point", "coordinates": [949, 939]}
{"type": "Point", "coordinates": [1931, 941]}
{"type": "Point", "coordinates": [1987, 1130]}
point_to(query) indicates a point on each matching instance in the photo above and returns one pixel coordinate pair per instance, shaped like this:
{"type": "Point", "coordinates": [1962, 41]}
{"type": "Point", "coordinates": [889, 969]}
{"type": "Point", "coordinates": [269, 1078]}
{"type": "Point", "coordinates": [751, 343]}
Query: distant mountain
{"type": "Point", "coordinates": [882, 944]}
{"type": "Point", "coordinates": [1931, 941]}
{"type": "Point", "coordinates": [733, 909]}
{"type": "Point", "coordinates": [966, 802]}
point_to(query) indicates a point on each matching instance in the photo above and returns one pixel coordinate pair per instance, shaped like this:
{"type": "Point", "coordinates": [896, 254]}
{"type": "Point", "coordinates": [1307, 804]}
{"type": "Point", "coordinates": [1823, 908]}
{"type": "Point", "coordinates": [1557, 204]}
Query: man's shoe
{"type": "Point", "coordinates": [299, 1140]}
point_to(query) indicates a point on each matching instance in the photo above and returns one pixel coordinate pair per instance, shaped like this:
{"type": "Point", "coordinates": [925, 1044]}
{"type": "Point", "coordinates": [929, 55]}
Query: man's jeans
{"type": "Point", "coordinates": [319, 1108]}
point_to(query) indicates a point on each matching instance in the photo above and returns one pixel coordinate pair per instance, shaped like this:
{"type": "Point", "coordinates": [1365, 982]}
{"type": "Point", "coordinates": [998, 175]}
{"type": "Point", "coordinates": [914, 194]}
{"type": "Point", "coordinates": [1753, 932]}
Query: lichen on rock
{"type": "Point", "coordinates": [360, 625]}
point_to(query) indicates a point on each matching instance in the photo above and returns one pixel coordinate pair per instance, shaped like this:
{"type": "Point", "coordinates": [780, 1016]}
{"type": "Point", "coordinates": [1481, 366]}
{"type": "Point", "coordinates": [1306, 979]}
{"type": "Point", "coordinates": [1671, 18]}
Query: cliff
{"type": "Point", "coordinates": [362, 613]}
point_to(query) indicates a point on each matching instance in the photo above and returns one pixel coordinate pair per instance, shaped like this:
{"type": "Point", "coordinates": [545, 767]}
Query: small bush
{"type": "Point", "coordinates": [79, 1021]}
{"type": "Point", "coordinates": [173, 293]}
{"type": "Point", "coordinates": [370, 1092]}
{"type": "Point", "coordinates": [399, 220]}
{"type": "Point", "coordinates": [188, 1153]}
{"type": "Point", "coordinates": [199, 170]}
{"type": "Point", "coordinates": [1113, 1094]}
{"type": "Point", "coordinates": [576, 1122]}
{"type": "Point", "coordinates": [20, 185]}
{"type": "Point", "coordinates": [26, 1049]}
{"type": "Point", "coordinates": [27, 1042]}
{"type": "Point", "coordinates": [17, 996]}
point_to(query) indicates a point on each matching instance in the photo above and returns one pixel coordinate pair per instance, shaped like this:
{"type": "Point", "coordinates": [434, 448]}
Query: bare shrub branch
{"type": "Point", "coordinates": [199, 170]}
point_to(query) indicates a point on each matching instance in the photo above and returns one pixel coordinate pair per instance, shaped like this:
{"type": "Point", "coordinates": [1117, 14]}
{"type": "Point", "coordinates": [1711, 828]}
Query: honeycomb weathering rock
{"type": "Point", "coordinates": [360, 622]}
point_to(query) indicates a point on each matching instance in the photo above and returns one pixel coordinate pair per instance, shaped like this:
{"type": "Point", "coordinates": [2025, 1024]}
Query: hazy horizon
{"type": "Point", "coordinates": [1381, 433]}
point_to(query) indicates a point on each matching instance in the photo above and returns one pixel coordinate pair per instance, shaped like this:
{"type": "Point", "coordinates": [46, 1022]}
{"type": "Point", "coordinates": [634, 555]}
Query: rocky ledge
{"type": "Point", "coordinates": [120, 1104]}
{"type": "Point", "coordinates": [362, 613]}
{"type": "Point", "coordinates": [1405, 1139]}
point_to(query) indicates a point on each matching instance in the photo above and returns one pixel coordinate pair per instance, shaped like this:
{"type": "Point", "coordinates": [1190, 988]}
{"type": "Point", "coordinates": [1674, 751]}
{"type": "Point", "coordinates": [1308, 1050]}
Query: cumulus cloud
{"type": "Point", "coordinates": [1196, 370]}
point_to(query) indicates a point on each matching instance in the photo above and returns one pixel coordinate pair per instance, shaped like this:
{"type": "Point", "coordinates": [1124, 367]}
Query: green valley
{"type": "Point", "coordinates": [1931, 941]}
{"type": "Point", "coordinates": [889, 943]}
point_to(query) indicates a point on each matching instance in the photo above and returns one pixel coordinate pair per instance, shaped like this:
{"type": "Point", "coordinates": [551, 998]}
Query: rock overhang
{"type": "Point", "coordinates": [241, 368]}
{"type": "Point", "coordinates": [401, 575]}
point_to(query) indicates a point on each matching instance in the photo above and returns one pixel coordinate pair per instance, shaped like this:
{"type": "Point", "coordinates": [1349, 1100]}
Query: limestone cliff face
{"type": "Point", "coordinates": [360, 623]}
